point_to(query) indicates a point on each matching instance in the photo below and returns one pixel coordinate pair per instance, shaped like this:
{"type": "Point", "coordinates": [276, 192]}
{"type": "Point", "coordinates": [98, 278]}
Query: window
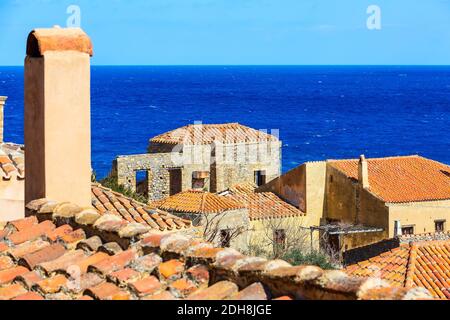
{"type": "Point", "coordinates": [225, 238]}
{"type": "Point", "coordinates": [260, 177]}
{"type": "Point", "coordinates": [407, 230]}
{"type": "Point", "coordinates": [439, 225]}
{"type": "Point", "coordinates": [198, 184]}
{"type": "Point", "coordinates": [331, 178]}
{"type": "Point", "coordinates": [142, 182]}
{"type": "Point", "coordinates": [279, 238]}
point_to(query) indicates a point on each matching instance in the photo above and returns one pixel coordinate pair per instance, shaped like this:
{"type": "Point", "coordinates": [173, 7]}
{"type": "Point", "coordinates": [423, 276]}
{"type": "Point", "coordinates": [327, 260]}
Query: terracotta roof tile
{"type": "Point", "coordinates": [146, 286]}
{"type": "Point", "coordinates": [261, 205]}
{"type": "Point", "coordinates": [12, 291]}
{"type": "Point", "coordinates": [32, 232]}
{"type": "Point", "coordinates": [106, 200]}
{"type": "Point", "coordinates": [424, 264]}
{"type": "Point", "coordinates": [198, 202]}
{"type": "Point", "coordinates": [163, 266]}
{"type": "Point", "coordinates": [402, 179]}
{"type": "Point", "coordinates": [12, 164]}
{"type": "Point", "coordinates": [8, 275]}
{"type": "Point", "coordinates": [49, 253]}
{"type": "Point", "coordinates": [208, 133]}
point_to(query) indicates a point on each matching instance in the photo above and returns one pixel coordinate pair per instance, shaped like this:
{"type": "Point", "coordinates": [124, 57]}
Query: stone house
{"type": "Point", "coordinates": [359, 202]}
{"type": "Point", "coordinates": [12, 175]}
{"type": "Point", "coordinates": [209, 157]}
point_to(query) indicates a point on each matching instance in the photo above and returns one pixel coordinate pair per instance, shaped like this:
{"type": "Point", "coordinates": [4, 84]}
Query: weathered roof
{"type": "Point", "coordinates": [107, 201]}
{"type": "Point", "coordinates": [208, 133]}
{"type": "Point", "coordinates": [201, 202]}
{"type": "Point", "coordinates": [422, 264]}
{"type": "Point", "coordinates": [402, 179]}
{"type": "Point", "coordinates": [64, 252]}
{"type": "Point", "coordinates": [262, 205]}
{"type": "Point", "coordinates": [12, 161]}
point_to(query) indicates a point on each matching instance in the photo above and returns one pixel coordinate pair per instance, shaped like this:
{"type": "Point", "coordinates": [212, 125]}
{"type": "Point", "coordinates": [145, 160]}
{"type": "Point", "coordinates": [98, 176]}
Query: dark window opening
{"type": "Point", "coordinates": [407, 230]}
{"type": "Point", "coordinates": [331, 178]}
{"type": "Point", "coordinates": [198, 184]}
{"type": "Point", "coordinates": [439, 225]}
{"type": "Point", "coordinates": [225, 238]}
{"type": "Point", "coordinates": [279, 238]}
{"type": "Point", "coordinates": [260, 177]}
{"type": "Point", "coordinates": [175, 179]}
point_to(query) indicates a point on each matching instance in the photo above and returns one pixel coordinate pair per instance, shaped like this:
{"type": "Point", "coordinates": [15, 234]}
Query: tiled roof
{"type": "Point", "coordinates": [12, 161]}
{"type": "Point", "coordinates": [262, 205]}
{"type": "Point", "coordinates": [423, 264]}
{"type": "Point", "coordinates": [66, 252]}
{"type": "Point", "coordinates": [402, 179]}
{"type": "Point", "coordinates": [207, 133]}
{"type": "Point", "coordinates": [200, 202]}
{"type": "Point", "coordinates": [107, 201]}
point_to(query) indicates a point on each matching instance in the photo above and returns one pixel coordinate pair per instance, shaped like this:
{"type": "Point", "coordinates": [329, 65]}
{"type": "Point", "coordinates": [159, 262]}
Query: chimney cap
{"type": "Point", "coordinates": [58, 39]}
{"type": "Point", "coordinates": [3, 98]}
{"type": "Point", "coordinates": [362, 158]}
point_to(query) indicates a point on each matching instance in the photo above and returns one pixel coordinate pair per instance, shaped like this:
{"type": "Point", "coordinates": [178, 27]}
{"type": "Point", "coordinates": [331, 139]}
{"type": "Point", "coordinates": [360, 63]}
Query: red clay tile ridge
{"type": "Point", "coordinates": [423, 264]}
{"type": "Point", "coordinates": [200, 134]}
{"type": "Point", "coordinates": [12, 164]}
{"type": "Point", "coordinates": [401, 179]}
{"type": "Point", "coordinates": [41, 41]}
{"type": "Point", "coordinates": [261, 205]}
{"type": "Point", "coordinates": [107, 201]}
{"type": "Point", "coordinates": [170, 266]}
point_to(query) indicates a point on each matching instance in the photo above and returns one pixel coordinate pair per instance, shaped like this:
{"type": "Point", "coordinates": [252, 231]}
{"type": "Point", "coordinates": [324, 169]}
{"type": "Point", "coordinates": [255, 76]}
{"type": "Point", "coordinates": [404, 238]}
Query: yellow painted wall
{"type": "Point", "coordinates": [420, 214]}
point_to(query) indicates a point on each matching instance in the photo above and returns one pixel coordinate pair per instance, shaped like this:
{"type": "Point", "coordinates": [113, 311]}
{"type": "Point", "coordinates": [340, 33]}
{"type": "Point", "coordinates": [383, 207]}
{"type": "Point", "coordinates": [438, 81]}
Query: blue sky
{"type": "Point", "coordinates": [178, 32]}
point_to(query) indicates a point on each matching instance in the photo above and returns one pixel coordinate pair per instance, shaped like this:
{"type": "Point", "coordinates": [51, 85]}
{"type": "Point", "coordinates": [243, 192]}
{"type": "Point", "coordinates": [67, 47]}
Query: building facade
{"type": "Point", "coordinates": [210, 157]}
{"type": "Point", "coordinates": [360, 202]}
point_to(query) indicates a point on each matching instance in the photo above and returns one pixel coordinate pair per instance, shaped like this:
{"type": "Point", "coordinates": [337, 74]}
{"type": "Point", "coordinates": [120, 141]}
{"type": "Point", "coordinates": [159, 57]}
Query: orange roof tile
{"type": "Point", "coordinates": [200, 202]}
{"type": "Point", "coordinates": [422, 264]}
{"type": "Point", "coordinates": [208, 133]}
{"type": "Point", "coordinates": [150, 266]}
{"type": "Point", "coordinates": [402, 179]}
{"type": "Point", "coordinates": [107, 201]}
{"type": "Point", "coordinates": [12, 161]}
{"type": "Point", "coordinates": [262, 205]}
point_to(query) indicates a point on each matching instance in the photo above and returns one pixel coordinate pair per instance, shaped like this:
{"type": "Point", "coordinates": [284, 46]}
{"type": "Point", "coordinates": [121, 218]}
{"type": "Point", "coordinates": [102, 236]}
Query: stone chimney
{"type": "Point", "coordinates": [397, 228]}
{"type": "Point", "coordinates": [363, 172]}
{"type": "Point", "coordinates": [57, 116]}
{"type": "Point", "coordinates": [2, 105]}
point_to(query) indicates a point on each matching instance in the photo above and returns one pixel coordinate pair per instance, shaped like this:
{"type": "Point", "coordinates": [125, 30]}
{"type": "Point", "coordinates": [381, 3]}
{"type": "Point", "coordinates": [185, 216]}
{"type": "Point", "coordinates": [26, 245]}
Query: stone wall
{"type": "Point", "coordinates": [232, 219]}
{"type": "Point", "coordinates": [227, 164]}
{"type": "Point", "coordinates": [157, 167]}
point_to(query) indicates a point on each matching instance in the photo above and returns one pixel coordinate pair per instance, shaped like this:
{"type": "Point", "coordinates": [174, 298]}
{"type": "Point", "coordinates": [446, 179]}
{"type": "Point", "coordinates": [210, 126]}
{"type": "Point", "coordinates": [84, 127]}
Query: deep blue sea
{"type": "Point", "coordinates": [321, 112]}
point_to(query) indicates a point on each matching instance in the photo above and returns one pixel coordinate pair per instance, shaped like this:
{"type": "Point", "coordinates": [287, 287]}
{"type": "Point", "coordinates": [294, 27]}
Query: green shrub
{"type": "Point", "coordinates": [297, 257]}
{"type": "Point", "coordinates": [111, 183]}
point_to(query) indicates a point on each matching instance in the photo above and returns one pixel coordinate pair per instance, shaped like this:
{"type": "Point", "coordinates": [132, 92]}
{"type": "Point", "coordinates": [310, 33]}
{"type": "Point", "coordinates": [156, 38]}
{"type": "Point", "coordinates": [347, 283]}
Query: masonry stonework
{"type": "Point", "coordinates": [221, 165]}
